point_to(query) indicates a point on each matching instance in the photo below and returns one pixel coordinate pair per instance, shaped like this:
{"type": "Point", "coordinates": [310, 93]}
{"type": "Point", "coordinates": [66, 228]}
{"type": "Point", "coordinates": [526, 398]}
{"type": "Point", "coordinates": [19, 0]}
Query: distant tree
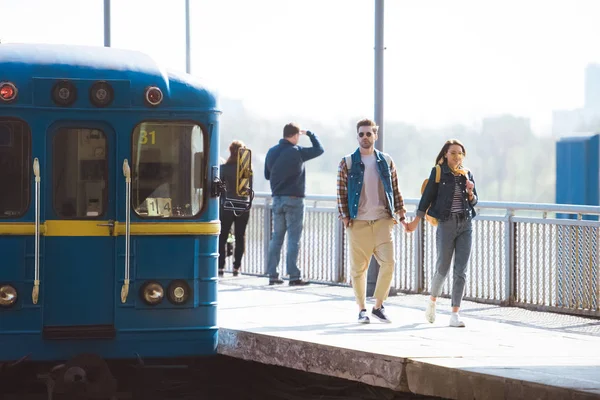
{"type": "Point", "coordinates": [503, 137]}
{"type": "Point", "coordinates": [509, 162]}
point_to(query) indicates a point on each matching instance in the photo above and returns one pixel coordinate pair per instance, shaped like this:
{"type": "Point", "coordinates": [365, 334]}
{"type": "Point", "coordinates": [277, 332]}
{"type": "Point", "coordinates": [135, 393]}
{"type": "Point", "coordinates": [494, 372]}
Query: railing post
{"type": "Point", "coordinates": [338, 272]}
{"type": "Point", "coordinates": [419, 255]}
{"type": "Point", "coordinates": [510, 256]}
{"type": "Point", "coordinates": [267, 233]}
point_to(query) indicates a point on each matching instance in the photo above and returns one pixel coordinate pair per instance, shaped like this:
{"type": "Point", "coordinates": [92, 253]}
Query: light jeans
{"type": "Point", "coordinates": [453, 236]}
{"type": "Point", "coordinates": [288, 216]}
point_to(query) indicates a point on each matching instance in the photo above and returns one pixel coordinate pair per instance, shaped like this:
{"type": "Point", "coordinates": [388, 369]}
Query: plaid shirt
{"type": "Point", "coordinates": [342, 191]}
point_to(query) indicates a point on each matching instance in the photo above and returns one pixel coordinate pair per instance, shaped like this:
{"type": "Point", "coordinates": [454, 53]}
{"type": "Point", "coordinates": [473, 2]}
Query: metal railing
{"type": "Point", "coordinates": [523, 254]}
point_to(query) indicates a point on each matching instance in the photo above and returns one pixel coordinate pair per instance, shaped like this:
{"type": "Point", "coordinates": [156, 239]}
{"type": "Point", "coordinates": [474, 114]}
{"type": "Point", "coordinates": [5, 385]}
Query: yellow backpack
{"type": "Point", "coordinates": [438, 171]}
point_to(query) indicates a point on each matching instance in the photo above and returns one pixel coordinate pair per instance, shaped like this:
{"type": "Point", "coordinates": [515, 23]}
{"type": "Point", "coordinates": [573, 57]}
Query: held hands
{"type": "Point", "coordinates": [408, 226]}
{"type": "Point", "coordinates": [412, 225]}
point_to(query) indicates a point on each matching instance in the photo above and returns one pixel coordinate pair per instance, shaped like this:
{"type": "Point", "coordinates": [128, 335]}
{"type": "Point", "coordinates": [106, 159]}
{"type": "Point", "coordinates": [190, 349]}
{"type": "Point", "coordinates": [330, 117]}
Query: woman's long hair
{"type": "Point", "coordinates": [440, 159]}
{"type": "Point", "coordinates": [234, 148]}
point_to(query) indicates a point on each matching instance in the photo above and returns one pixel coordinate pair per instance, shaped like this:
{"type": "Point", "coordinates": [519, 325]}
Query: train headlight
{"type": "Point", "coordinates": [153, 96]}
{"type": "Point", "coordinates": [152, 293]}
{"type": "Point", "coordinates": [101, 94]}
{"type": "Point", "coordinates": [64, 93]}
{"type": "Point", "coordinates": [8, 92]}
{"type": "Point", "coordinates": [178, 292]}
{"type": "Point", "coordinates": [8, 295]}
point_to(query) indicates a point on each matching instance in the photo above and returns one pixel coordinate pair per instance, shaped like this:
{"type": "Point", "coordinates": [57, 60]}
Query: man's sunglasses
{"type": "Point", "coordinates": [361, 134]}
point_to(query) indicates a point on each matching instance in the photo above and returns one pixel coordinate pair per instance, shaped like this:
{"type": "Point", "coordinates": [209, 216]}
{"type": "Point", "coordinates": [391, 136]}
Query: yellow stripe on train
{"type": "Point", "coordinates": [102, 228]}
{"type": "Point", "coordinates": [19, 228]}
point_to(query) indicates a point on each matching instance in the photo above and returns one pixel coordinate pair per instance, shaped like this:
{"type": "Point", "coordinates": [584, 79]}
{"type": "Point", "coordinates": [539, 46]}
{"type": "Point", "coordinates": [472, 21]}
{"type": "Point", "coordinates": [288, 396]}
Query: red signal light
{"type": "Point", "coordinates": [154, 96]}
{"type": "Point", "coordinates": [8, 91]}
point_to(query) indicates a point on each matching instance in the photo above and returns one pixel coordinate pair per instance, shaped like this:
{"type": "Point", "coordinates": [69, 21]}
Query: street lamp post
{"type": "Point", "coordinates": [188, 61]}
{"type": "Point", "coordinates": [106, 23]}
{"type": "Point", "coordinates": [373, 271]}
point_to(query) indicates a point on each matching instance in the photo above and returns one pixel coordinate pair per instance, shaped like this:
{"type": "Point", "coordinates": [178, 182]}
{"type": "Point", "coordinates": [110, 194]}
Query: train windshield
{"type": "Point", "coordinates": [167, 170]}
{"type": "Point", "coordinates": [15, 160]}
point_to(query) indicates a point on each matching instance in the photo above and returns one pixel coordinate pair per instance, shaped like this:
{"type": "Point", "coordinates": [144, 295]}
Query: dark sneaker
{"type": "Point", "coordinates": [379, 313]}
{"type": "Point", "coordinates": [221, 272]}
{"type": "Point", "coordinates": [236, 272]}
{"type": "Point", "coordinates": [363, 318]}
{"type": "Point", "coordinates": [299, 282]}
{"type": "Point", "coordinates": [275, 282]}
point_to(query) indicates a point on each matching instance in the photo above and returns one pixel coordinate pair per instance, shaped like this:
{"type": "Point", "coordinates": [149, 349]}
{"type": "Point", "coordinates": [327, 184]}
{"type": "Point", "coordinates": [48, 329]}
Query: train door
{"type": "Point", "coordinates": [80, 200]}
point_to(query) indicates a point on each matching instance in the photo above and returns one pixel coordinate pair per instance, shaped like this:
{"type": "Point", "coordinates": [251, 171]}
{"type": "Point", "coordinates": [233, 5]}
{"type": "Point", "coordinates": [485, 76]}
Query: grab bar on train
{"type": "Point", "coordinates": [36, 279]}
{"type": "Point", "coordinates": [127, 174]}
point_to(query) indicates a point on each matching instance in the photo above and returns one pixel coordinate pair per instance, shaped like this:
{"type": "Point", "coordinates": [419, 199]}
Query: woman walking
{"type": "Point", "coordinates": [229, 218]}
{"type": "Point", "coordinates": [450, 199]}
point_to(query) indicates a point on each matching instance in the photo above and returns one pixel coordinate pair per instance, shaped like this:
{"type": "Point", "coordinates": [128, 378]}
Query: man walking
{"type": "Point", "coordinates": [368, 200]}
{"type": "Point", "coordinates": [284, 168]}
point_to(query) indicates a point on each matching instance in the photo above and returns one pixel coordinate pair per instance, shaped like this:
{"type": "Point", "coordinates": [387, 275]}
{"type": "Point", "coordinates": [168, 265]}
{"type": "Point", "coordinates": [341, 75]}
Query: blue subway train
{"type": "Point", "coordinates": [109, 206]}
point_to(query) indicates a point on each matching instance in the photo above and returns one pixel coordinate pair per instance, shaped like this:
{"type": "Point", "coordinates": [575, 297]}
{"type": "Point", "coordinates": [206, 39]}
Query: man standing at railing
{"type": "Point", "coordinates": [368, 200]}
{"type": "Point", "coordinates": [284, 168]}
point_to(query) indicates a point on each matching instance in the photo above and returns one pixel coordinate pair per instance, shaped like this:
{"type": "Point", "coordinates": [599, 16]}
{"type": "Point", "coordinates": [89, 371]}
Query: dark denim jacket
{"type": "Point", "coordinates": [284, 166]}
{"type": "Point", "coordinates": [440, 196]}
{"type": "Point", "coordinates": [355, 182]}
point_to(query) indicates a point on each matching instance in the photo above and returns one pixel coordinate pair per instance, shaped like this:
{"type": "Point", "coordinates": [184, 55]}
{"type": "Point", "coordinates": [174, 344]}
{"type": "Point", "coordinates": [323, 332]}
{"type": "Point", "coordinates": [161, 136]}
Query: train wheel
{"type": "Point", "coordinates": [85, 376]}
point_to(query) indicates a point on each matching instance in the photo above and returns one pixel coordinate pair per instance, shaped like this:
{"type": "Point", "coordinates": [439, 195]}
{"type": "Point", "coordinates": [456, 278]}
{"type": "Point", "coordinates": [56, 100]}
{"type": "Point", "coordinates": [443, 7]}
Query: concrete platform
{"type": "Point", "coordinates": [503, 353]}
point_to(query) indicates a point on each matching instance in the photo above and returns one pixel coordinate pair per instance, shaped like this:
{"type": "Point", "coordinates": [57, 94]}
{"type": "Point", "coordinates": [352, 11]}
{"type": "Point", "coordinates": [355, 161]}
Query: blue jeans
{"type": "Point", "coordinates": [288, 215]}
{"type": "Point", "coordinates": [453, 236]}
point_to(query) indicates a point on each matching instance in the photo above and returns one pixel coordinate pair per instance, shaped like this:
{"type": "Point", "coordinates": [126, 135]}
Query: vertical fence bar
{"type": "Point", "coordinates": [419, 258]}
{"type": "Point", "coordinates": [267, 233]}
{"type": "Point", "coordinates": [339, 252]}
{"type": "Point", "coordinates": [545, 263]}
{"type": "Point", "coordinates": [510, 254]}
{"type": "Point", "coordinates": [554, 262]}
{"type": "Point", "coordinates": [597, 272]}
{"type": "Point", "coordinates": [587, 299]}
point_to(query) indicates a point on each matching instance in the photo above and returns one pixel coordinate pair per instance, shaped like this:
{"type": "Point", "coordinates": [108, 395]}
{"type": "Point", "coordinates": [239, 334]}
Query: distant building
{"type": "Point", "coordinates": [579, 120]}
{"type": "Point", "coordinates": [574, 122]}
{"type": "Point", "coordinates": [592, 87]}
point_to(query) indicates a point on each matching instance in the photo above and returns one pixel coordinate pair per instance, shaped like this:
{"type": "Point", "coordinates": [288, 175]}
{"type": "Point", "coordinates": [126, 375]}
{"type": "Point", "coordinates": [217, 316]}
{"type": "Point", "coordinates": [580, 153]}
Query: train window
{"type": "Point", "coordinates": [167, 169]}
{"type": "Point", "coordinates": [80, 175]}
{"type": "Point", "coordinates": [15, 168]}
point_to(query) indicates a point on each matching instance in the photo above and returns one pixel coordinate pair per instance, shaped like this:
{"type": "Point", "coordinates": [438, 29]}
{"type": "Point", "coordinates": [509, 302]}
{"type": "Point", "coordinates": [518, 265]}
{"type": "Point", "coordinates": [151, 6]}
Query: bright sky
{"type": "Point", "coordinates": [445, 61]}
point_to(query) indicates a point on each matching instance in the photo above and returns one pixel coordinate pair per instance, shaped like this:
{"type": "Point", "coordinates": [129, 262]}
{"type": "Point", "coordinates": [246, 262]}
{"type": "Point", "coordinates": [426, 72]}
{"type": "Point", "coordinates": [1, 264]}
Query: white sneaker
{"type": "Point", "coordinates": [456, 322]}
{"type": "Point", "coordinates": [430, 312]}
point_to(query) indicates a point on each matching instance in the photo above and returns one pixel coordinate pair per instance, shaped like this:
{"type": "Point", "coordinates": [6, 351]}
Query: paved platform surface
{"type": "Point", "coordinates": [503, 353]}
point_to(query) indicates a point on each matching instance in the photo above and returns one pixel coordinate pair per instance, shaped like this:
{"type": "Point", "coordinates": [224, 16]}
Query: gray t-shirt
{"type": "Point", "coordinates": [372, 196]}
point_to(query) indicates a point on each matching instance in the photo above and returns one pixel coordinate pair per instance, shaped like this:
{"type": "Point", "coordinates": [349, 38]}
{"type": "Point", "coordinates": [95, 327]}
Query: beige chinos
{"type": "Point", "coordinates": [368, 238]}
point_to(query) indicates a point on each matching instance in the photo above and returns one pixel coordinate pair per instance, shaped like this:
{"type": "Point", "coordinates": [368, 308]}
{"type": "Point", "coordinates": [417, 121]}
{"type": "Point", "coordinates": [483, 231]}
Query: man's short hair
{"type": "Point", "coordinates": [367, 122]}
{"type": "Point", "coordinates": [290, 130]}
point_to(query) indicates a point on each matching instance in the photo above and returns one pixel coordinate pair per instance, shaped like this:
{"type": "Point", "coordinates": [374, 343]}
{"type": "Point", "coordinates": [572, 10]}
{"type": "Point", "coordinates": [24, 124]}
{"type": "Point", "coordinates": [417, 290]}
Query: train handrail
{"type": "Point", "coordinates": [127, 174]}
{"type": "Point", "coordinates": [36, 279]}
